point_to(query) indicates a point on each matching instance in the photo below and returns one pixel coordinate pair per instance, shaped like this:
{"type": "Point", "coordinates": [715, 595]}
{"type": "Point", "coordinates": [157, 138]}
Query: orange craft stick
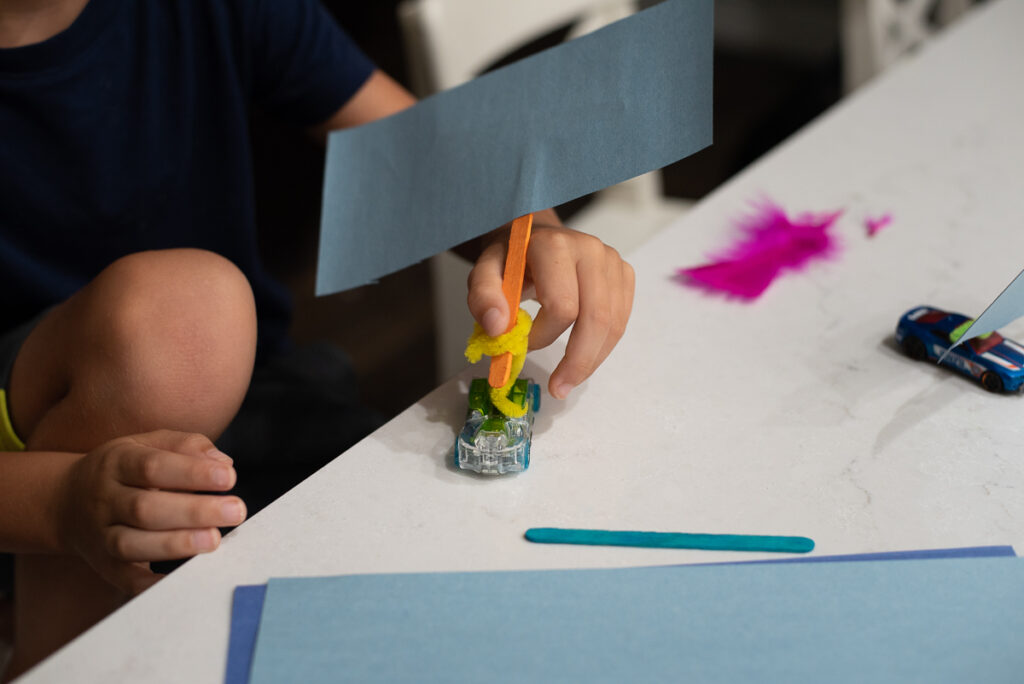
{"type": "Point", "coordinates": [512, 286]}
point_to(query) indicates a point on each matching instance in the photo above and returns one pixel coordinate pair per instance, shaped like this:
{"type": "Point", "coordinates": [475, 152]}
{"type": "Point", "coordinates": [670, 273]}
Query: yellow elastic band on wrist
{"type": "Point", "coordinates": [8, 437]}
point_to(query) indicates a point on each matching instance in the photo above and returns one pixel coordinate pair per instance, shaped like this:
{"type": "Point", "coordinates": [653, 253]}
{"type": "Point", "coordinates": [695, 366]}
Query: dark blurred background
{"type": "Point", "coordinates": [777, 66]}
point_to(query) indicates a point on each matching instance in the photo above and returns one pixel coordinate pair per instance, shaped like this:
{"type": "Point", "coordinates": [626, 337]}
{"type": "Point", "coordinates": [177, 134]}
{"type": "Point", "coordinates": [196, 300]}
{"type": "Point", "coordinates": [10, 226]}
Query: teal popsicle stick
{"type": "Point", "coordinates": [671, 540]}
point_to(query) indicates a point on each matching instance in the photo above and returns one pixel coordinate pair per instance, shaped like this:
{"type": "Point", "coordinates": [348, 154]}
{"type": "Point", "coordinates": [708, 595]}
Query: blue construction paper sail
{"type": "Point", "coordinates": [1007, 307]}
{"type": "Point", "coordinates": [577, 118]}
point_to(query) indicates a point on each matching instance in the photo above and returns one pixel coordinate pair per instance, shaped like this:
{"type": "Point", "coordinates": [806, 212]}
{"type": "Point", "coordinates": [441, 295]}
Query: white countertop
{"type": "Point", "coordinates": [791, 415]}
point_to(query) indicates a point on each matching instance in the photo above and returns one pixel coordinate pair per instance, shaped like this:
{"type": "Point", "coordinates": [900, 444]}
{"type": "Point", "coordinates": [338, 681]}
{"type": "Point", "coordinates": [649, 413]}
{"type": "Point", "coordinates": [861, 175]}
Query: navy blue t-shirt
{"type": "Point", "coordinates": [129, 131]}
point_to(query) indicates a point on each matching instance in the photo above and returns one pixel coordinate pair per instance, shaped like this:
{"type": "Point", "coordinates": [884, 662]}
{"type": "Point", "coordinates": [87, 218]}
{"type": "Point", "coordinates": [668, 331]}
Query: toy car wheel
{"type": "Point", "coordinates": [914, 348]}
{"type": "Point", "coordinates": [991, 382]}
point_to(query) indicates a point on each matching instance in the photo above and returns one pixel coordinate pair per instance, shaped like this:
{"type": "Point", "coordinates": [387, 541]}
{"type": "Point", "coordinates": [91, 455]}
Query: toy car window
{"type": "Point", "coordinates": [933, 316]}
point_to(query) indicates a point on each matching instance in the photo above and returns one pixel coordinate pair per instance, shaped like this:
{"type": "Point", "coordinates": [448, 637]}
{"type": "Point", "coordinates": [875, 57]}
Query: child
{"type": "Point", "coordinates": [135, 307]}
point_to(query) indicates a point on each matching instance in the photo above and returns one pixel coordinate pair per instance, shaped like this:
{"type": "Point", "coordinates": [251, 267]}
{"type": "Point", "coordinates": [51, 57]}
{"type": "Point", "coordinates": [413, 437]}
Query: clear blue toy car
{"type": "Point", "coordinates": [491, 442]}
{"type": "Point", "coordinates": [925, 333]}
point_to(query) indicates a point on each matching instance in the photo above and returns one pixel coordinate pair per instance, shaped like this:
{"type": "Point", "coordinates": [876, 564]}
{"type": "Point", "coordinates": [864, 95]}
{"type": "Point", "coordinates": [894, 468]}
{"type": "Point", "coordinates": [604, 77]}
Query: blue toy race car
{"type": "Point", "coordinates": [926, 333]}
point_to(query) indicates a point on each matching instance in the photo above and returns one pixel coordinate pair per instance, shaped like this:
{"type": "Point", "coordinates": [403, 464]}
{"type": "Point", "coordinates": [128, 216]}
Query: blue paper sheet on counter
{"type": "Point", "coordinates": [247, 603]}
{"type": "Point", "coordinates": [577, 118]}
{"type": "Point", "coordinates": [926, 620]}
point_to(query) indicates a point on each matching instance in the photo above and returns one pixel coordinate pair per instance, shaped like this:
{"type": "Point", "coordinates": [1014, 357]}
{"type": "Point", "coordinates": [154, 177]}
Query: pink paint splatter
{"type": "Point", "coordinates": [771, 243]}
{"type": "Point", "coordinates": [874, 225]}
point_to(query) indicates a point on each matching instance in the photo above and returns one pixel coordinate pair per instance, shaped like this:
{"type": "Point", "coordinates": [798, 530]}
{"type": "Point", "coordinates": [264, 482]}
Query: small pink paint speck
{"type": "Point", "coordinates": [874, 225]}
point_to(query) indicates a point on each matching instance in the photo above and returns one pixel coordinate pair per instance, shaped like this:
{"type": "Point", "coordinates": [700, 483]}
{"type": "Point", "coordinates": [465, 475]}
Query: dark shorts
{"type": "Point", "coordinates": [302, 409]}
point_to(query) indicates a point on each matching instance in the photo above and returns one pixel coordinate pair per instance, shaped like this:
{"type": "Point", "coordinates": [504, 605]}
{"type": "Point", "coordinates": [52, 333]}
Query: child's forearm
{"type": "Point", "coordinates": [30, 490]}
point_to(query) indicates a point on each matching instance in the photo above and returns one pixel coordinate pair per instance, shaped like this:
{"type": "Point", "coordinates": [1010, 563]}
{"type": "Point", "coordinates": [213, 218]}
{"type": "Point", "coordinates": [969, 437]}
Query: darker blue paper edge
{"type": "Point", "coordinates": [247, 605]}
{"type": "Point", "coordinates": [922, 554]}
{"type": "Point", "coordinates": [246, 611]}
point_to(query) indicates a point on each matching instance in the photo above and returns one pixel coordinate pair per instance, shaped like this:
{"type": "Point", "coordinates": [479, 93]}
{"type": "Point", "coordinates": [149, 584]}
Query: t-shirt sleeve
{"type": "Point", "coordinates": [304, 67]}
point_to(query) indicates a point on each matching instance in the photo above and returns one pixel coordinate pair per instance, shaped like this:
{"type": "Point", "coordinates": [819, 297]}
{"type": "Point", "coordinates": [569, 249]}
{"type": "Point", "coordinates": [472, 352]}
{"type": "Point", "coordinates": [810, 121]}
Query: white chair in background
{"type": "Point", "coordinates": [452, 41]}
{"type": "Point", "coordinates": [877, 33]}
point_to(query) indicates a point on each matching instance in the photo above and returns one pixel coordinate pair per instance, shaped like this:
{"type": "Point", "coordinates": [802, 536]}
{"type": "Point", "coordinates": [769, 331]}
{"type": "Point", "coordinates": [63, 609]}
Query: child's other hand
{"type": "Point", "coordinates": [128, 502]}
{"type": "Point", "coordinates": [577, 279]}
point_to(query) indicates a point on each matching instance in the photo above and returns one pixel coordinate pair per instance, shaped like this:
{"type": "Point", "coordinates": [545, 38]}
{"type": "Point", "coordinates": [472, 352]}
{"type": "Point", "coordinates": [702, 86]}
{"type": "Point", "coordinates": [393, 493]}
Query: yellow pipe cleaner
{"type": "Point", "coordinates": [515, 341]}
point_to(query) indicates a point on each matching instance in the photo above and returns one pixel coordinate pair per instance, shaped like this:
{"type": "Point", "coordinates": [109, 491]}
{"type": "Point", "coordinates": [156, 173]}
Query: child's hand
{"type": "Point", "coordinates": [127, 502]}
{"type": "Point", "coordinates": [577, 279]}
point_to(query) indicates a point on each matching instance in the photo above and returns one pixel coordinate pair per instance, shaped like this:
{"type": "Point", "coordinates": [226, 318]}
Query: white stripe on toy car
{"type": "Point", "coordinates": [1014, 346]}
{"type": "Point", "coordinates": [998, 359]}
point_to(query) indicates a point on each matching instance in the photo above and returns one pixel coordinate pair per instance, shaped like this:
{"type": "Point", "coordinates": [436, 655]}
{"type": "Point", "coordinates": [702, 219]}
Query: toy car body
{"type": "Point", "coordinates": [491, 442]}
{"type": "Point", "coordinates": [925, 332]}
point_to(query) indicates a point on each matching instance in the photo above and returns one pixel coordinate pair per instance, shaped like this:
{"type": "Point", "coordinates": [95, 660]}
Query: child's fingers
{"type": "Point", "coordinates": [148, 467]}
{"type": "Point", "coordinates": [579, 282]}
{"type": "Point", "coordinates": [131, 578]}
{"type": "Point", "coordinates": [142, 578]}
{"type": "Point", "coordinates": [133, 545]}
{"type": "Point", "coordinates": [486, 299]}
{"type": "Point", "coordinates": [621, 280]}
{"type": "Point", "coordinates": [149, 509]}
{"type": "Point", "coordinates": [591, 329]}
{"type": "Point", "coordinates": [189, 443]}
{"type": "Point", "coordinates": [555, 280]}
